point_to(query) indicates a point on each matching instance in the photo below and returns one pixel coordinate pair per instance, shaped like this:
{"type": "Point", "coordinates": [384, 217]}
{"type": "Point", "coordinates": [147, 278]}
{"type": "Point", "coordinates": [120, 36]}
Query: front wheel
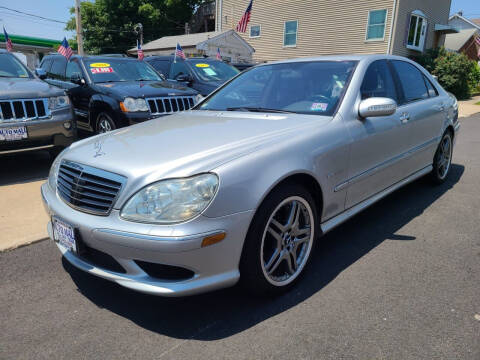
{"type": "Point", "coordinates": [280, 241]}
{"type": "Point", "coordinates": [443, 159]}
{"type": "Point", "coordinates": [104, 123]}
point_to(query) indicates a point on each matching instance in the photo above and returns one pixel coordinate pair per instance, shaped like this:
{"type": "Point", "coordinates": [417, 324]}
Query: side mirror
{"type": "Point", "coordinates": [42, 74]}
{"type": "Point", "coordinates": [377, 106]}
{"type": "Point", "coordinates": [184, 78]}
{"type": "Point", "coordinates": [77, 79]}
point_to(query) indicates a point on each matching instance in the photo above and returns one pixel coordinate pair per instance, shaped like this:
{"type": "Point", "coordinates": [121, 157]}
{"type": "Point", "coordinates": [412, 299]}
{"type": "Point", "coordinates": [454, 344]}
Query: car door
{"type": "Point", "coordinates": [56, 75]}
{"type": "Point", "coordinates": [423, 110]}
{"type": "Point", "coordinates": [378, 143]}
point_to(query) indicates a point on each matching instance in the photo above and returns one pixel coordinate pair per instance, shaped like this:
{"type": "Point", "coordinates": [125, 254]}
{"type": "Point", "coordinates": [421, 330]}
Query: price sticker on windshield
{"type": "Point", "coordinates": [319, 107]}
{"type": "Point", "coordinates": [101, 70]}
{"type": "Point", "coordinates": [99, 65]}
{"type": "Point", "coordinates": [202, 65]}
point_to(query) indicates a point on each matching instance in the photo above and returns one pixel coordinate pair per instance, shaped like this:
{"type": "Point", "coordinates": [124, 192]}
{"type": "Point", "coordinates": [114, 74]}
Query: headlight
{"type": "Point", "coordinates": [131, 105]}
{"type": "Point", "coordinates": [171, 201]}
{"type": "Point", "coordinates": [53, 174]}
{"type": "Point", "coordinates": [58, 102]}
{"type": "Point", "coordinates": [198, 98]}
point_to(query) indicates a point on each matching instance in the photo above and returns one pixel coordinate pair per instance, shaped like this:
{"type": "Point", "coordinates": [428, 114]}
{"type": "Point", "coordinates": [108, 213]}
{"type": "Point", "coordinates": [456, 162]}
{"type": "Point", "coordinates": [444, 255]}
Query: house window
{"type": "Point", "coordinates": [255, 31]}
{"type": "Point", "coordinates": [376, 24]}
{"type": "Point", "coordinates": [417, 31]}
{"type": "Point", "coordinates": [290, 33]}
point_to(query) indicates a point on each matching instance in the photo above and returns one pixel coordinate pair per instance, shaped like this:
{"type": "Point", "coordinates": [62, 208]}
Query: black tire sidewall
{"type": "Point", "coordinates": [434, 174]}
{"type": "Point", "coordinates": [97, 121]}
{"type": "Point", "coordinates": [251, 273]}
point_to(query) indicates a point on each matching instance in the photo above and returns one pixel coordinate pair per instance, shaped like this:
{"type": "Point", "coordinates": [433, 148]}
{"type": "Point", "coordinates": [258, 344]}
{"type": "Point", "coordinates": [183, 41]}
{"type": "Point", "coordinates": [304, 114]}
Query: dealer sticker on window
{"type": "Point", "coordinates": [319, 107]}
{"type": "Point", "coordinates": [99, 65]}
{"type": "Point", "coordinates": [202, 65]}
{"type": "Point", "coordinates": [101, 70]}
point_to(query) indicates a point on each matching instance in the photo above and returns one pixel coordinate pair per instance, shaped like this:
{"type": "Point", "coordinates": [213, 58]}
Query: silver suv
{"type": "Point", "coordinates": [33, 114]}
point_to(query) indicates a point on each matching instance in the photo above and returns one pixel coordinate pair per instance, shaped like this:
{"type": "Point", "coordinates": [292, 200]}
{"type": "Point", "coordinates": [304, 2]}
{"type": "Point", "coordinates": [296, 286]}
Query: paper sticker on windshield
{"type": "Point", "coordinates": [101, 70]}
{"type": "Point", "coordinates": [202, 65]}
{"type": "Point", "coordinates": [319, 107]}
{"type": "Point", "coordinates": [99, 65]}
{"type": "Point", "coordinates": [210, 72]}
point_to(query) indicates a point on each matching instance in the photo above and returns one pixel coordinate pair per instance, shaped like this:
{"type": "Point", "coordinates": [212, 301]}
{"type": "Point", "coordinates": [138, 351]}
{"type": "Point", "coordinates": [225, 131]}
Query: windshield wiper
{"type": "Point", "coordinates": [141, 79]}
{"type": "Point", "coordinates": [260, 109]}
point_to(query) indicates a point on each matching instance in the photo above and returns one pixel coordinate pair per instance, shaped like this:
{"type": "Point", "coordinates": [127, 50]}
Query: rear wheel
{"type": "Point", "coordinates": [280, 241]}
{"type": "Point", "coordinates": [104, 123]}
{"type": "Point", "coordinates": [443, 159]}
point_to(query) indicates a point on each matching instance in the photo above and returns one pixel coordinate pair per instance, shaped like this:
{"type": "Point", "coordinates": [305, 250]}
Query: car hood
{"type": "Point", "coordinates": [25, 88]}
{"type": "Point", "coordinates": [145, 89]}
{"type": "Point", "coordinates": [186, 143]}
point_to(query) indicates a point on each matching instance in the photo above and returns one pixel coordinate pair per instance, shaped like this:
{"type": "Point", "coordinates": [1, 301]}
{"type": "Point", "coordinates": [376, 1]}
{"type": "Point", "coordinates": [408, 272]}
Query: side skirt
{"type": "Point", "coordinates": [347, 214]}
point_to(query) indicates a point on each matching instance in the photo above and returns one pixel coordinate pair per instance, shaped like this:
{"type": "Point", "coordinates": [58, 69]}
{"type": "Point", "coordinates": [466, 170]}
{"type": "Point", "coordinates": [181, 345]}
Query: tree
{"type": "Point", "coordinates": [108, 24]}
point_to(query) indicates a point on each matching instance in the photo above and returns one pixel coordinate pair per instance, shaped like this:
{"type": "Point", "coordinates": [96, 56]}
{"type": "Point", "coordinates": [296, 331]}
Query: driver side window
{"type": "Point", "coordinates": [378, 82]}
{"type": "Point", "coordinates": [73, 68]}
{"type": "Point", "coordinates": [178, 68]}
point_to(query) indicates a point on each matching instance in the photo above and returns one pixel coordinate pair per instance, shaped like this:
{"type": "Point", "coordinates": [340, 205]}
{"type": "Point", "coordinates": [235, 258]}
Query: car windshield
{"type": "Point", "coordinates": [11, 67]}
{"type": "Point", "coordinates": [208, 70]}
{"type": "Point", "coordinates": [313, 87]}
{"type": "Point", "coordinates": [113, 70]}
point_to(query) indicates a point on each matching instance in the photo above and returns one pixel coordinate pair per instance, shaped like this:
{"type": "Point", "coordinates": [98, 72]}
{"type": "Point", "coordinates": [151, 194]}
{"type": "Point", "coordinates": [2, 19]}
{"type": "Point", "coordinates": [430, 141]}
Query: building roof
{"type": "Point", "coordinates": [473, 22]}
{"type": "Point", "coordinates": [170, 42]}
{"type": "Point", "coordinates": [456, 41]}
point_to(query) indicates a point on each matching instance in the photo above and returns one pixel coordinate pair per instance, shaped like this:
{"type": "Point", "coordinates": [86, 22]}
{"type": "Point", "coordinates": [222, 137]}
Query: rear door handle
{"type": "Point", "coordinates": [404, 118]}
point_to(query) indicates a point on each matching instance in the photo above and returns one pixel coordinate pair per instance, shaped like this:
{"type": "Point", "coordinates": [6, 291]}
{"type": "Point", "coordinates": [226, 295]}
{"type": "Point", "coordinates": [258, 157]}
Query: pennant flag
{"type": "Point", "coordinates": [65, 49]}
{"type": "Point", "coordinates": [8, 42]}
{"type": "Point", "coordinates": [139, 51]}
{"type": "Point", "coordinates": [179, 52]}
{"type": "Point", "coordinates": [219, 57]}
{"type": "Point", "coordinates": [242, 24]}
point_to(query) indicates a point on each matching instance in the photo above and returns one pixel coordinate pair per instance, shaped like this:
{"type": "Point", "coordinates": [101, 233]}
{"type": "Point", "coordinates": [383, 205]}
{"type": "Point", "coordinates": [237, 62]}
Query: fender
{"type": "Point", "coordinates": [101, 102]}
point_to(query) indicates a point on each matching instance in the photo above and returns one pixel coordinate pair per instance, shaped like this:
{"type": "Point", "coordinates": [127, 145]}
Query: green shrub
{"type": "Point", "coordinates": [456, 72]}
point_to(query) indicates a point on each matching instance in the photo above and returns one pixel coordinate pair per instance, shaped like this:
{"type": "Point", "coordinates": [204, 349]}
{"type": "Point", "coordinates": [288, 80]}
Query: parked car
{"type": "Point", "coordinates": [112, 92]}
{"type": "Point", "coordinates": [33, 114]}
{"type": "Point", "coordinates": [242, 186]}
{"type": "Point", "coordinates": [202, 74]}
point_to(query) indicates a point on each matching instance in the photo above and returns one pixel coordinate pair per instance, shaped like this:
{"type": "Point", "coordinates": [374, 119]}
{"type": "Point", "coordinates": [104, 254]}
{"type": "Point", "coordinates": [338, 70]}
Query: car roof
{"type": "Point", "coordinates": [94, 57]}
{"type": "Point", "coordinates": [170, 57]}
{"type": "Point", "coordinates": [353, 57]}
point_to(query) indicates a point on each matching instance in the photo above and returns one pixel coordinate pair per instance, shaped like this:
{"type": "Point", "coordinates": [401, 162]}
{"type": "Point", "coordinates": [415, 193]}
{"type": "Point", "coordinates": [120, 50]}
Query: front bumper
{"type": "Point", "coordinates": [213, 267]}
{"type": "Point", "coordinates": [42, 133]}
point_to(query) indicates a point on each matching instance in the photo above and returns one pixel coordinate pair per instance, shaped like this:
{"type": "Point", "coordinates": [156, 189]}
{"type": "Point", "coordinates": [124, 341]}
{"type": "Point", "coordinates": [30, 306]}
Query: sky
{"type": "Point", "coordinates": [19, 24]}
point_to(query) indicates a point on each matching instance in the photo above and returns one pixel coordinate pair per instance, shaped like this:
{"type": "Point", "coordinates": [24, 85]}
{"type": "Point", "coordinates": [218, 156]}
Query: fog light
{"type": "Point", "coordinates": [213, 239]}
{"type": "Point", "coordinates": [67, 125]}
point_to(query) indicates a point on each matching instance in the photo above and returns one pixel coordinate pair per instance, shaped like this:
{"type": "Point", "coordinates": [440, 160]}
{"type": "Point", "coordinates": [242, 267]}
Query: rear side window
{"type": "Point", "coordinates": [162, 66]}
{"type": "Point", "coordinates": [378, 81]}
{"type": "Point", "coordinates": [411, 80]}
{"type": "Point", "coordinates": [58, 68]}
{"type": "Point", "coordinates": [431, 89]}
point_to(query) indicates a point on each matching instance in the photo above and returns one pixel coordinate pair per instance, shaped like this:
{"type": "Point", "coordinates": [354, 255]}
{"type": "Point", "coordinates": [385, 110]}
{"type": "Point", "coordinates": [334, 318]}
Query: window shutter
{"type": "Point", "coordinates": [407, 27]}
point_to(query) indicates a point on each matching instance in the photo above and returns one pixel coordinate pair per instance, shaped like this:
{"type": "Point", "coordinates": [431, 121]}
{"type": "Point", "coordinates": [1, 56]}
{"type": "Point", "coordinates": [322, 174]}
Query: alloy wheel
{"type": "Point", "coordinates": [444, 157]}
{"type": "Point", "coordinates": [105, 124]}
{"type": "Point", "coordinates": [287, 241]}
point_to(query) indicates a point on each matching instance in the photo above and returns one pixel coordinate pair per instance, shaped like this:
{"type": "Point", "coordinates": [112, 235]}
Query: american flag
{"type": "Point", "coordinates": [179, 52]}
{"type": "Point", "coordinates": [219, 57]}
{"type": "Point", "coordinates": [65, 49]}
{"type": "Point", "coordinates": [242, 24]}
{"type": "Point", "coordinates": [139, 51]}
{"type": "Point", "coordinates": [8, 42]}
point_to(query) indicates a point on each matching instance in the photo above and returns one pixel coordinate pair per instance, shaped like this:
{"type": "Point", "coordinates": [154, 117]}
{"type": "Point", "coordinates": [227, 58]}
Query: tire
{"type": "Point", "coordinates": [104, 123]}
{"type": "Point", "coordinates": [443, 159]}
{"type": "Point", "coordinates": [275, 238]}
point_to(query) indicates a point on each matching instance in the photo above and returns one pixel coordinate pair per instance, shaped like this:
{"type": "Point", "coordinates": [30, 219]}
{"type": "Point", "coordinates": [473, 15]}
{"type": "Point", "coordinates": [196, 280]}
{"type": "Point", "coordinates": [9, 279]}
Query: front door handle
{"type": "Point", "coordinates": [404, 118]}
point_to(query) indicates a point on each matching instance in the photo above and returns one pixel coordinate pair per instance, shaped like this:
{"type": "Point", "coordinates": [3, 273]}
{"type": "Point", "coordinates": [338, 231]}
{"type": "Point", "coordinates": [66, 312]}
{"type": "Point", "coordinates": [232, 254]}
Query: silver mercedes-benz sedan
{"type": "Point", "coordinates": [244, 185]}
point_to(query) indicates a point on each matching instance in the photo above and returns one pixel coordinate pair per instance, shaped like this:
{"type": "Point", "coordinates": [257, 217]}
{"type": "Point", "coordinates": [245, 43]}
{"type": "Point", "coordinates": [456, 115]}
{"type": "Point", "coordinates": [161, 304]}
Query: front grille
{"type": "Point", "coordinates": [88, 189]}
{"type": "Point", "coordinates": [23, 109]}
{"type": "Point", "coordinates": [169, 105]}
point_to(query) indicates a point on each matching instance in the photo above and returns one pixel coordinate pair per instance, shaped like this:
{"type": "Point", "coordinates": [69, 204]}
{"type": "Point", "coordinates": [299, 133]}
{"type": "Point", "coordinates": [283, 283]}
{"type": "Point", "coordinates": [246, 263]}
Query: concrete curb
{"type": "Point", "coordinates": [22, 245]}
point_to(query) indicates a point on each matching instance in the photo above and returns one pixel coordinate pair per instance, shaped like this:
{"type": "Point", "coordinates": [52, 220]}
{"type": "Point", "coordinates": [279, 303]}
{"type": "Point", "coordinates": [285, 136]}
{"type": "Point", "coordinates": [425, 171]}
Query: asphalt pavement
{"type": "Point", "coordinates": [399, 281]}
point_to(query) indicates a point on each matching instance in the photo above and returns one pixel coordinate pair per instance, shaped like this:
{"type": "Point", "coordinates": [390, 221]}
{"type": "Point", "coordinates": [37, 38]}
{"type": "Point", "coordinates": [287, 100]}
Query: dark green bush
{"type": "Point", "coordinates": [456, 72]}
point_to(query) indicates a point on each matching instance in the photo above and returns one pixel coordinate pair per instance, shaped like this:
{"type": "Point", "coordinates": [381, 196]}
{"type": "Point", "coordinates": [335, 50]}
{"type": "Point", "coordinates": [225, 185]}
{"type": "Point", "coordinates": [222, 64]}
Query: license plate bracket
{"type": "Point", "coordinates": [13, 133]}
{"type": "Point", "coordinates": [64, 234]}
